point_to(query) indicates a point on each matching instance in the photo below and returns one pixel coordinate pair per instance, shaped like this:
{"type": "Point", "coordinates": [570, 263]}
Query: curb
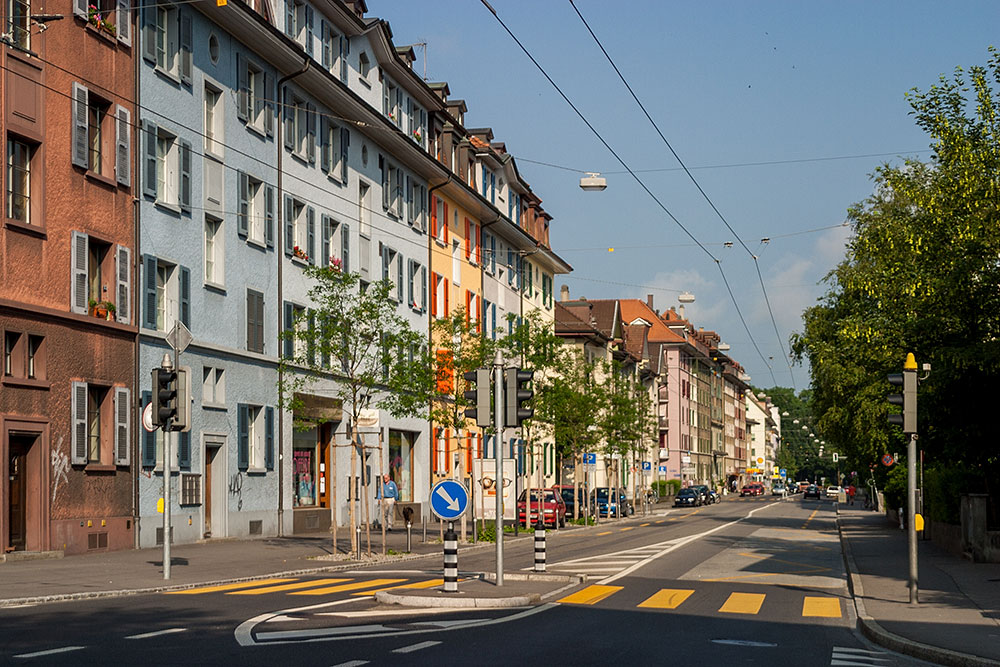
{"type": "Point", "coordinates": [386, 597]}
{"type": "Point", "coordinates": [871, 629]}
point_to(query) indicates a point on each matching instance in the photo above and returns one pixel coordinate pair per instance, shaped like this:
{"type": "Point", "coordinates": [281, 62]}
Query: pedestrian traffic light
{"type": "Point", "coordinates": [908, 399]}
{"type": "Point", "coordinates": [164, 396]}
{"type": "Point", "coordinates": [478, 392]}
{"type": "Point", "coordinates": [516, 394]}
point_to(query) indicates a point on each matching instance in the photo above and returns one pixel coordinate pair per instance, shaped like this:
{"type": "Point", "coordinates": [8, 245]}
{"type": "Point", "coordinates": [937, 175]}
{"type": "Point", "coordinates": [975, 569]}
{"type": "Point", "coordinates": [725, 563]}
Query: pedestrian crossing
{"type": "Point", "coordinates": [309, 587]}
{"type": "Point", "coordinates": [605, 565]}
{"type": "Point", "coordinates": [736, 603]}
{"type": "Point", "coordinates": [843, 656]}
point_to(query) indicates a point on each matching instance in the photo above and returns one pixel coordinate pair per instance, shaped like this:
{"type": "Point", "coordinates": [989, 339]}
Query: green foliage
{"type": "Point", "coordinates": [667, 487]}
{"type": "Point", "coordinates": [458, 348]}
{"type": "Point", "coordinates": [895, 487]}
{"type": "Point", "coordinates": [920, 276]}
{"type": "Point", "coordinates": [943, 489]}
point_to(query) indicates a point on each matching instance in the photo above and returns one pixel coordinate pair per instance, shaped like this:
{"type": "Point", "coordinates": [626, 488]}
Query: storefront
{"type": "Point", "coordinates": [401, 462]}
{"type": "Point", "coordinates": [310, 463]}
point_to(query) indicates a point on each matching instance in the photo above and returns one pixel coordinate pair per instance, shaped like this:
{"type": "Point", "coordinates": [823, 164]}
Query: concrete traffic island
{"type": "Point", "coordinates": [520, 589]}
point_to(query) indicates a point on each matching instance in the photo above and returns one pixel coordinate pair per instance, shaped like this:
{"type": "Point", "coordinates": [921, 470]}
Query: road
{"type": "Point", "coordinates": [746, 581]}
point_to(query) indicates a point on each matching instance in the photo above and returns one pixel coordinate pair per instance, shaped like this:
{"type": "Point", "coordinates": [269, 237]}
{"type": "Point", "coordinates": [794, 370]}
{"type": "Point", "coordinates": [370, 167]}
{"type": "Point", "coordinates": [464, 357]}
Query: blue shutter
{"type": "Point", "coordinates": [185, 170]}
{"type": "Point", "coordinates": [345, 243]}
{"type": "Point", "coordinates": [149, 291]}
{"type": "Point", "coordinates": [243, 206]}
{"type": "Point", "coordinates": [311, 234]}
{"type": "Point", "coordinates": [289, 328]}
{"type": "Point", "coordinates": [423, 289]}
{"type": "Point", "coordinates": [409, 282]}
{"type": "Point", "coordinates": [269, 197]}
{"type": "Point", "coordinates": [148, 437]}
{"type": "Point", "coordinates": [326, 229]}
{"type": "Point", "coordinates": [269, 438]}
{"type": "Point", "coordinates": [184, 450]}
{"type": "Point", "coordinates": [324, 34]}
{"type": "Point", "coordinates": [325, 149]}
{"type": "Point", "coordinates": [149, 173]}
{"type": "Point", "coordinates": [184, 288]}
{"type": "Point", "coordinates": [243, 436]}
{"type": "Point", "coordinates": [242, 89]}
{"type": "Point", "coordinates": [345, 143]}
{"type": "Point", "coordinates": [309, 30]}
{"type": "Point", "coordinates": [399, 276]}
{"type": "Point", "coordinates": [289, 226]}
{"type": "Point", "coordinates": [185, 28]}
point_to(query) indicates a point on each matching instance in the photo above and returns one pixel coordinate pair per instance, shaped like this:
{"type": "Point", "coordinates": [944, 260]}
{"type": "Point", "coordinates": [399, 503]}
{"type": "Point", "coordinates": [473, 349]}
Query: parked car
{"type": "Point", "coordinates": [620, 505]}
{"type": "Point", "coordinates": [566, 491]}
{"type": "Point", "coordinates": [752, 489]}
{"type": "Point", "coordinates": [689, 497]}
{"type": "Point", "coordinates": [706, 493]}
{"type": "Point", "coordinates": [812, 491]}
{"type": "Point", "coordinates": [553, 507]}
{"type": "Point", "coordinates": [832, 491]}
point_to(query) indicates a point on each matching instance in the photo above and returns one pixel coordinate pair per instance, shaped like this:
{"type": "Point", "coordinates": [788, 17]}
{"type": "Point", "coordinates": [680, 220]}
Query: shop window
{"type": "Point", "coordinates": [305, 468]}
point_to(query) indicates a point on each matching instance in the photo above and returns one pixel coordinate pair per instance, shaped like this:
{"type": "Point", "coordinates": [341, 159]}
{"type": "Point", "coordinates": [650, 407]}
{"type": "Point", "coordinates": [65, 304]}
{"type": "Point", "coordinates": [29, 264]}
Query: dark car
{"type": "Point", "coordinates": [620, 506]}
{"type": "Point", "coordinates": [812, 491]}
{"type": "Point", "coordinates": [708, 496]}
{"type": "Point", "coordinates": [688, 497]}
{"type": "Point", "coordinates": [566, 491]}
{"type": "Point", "coordinates": [752, 489]}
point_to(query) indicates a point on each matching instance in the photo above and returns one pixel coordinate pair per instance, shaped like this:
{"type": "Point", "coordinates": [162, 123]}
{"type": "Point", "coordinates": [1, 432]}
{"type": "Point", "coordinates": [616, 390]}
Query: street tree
{"type": "Point", "coordinates": [354, 335]}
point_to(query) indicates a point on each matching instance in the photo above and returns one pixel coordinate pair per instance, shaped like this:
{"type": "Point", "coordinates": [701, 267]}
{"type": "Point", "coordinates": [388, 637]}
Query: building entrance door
{"type": "Point", "coordinates": [214, 491]}
{"type": "Point", "coordinates": [17, 492]}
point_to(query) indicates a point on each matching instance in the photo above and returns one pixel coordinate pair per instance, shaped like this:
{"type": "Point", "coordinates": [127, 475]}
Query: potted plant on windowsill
{"type": "Point", "coordinates": [299, 253]}
{"type": "Point", "coordinates": [103, 309]}
{"type": "Point", "coordinates": [100, 22]}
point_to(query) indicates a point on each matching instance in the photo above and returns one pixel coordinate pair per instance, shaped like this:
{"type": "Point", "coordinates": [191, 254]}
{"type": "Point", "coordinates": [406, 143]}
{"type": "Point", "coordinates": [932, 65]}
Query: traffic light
{"type": "Point", "coordinates": [479, 395]}
{"type": "Point", "coordinates": [908, 399]}
{"type": "Point", "coordinates": [164, 396]}
{"type": "Point", "coordinates": [516, 393]}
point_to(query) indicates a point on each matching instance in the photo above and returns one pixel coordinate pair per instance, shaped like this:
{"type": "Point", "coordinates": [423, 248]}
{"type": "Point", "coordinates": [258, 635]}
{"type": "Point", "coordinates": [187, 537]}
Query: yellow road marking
{"type": "Point", "coordinates": [287, 587]}
{"type": "Point", "coordinates": [374, 583]}
{"type": "Point", "coordinates": [607, 532]}
{"type": "Point", "coordinates": [591, 594]}
{"type": "Point", "coordinates": [627, 528]}
{"type": "Point", "coordinates": [823, 607]}
{"type": "Point", "coordinates": [810, 517]}
{"type": "Point", "coordinates": [743, 603]}
{"type": "Point", "coordinates": [227, 587]}
{"type": "Point", "coordinates": [659, 522]}
{"type": "Point", "coordinates": [430, 583]}
{"type": "Point", "coordinates": [667, 598]}
{"type": "Point", "coordinates": [643, 525]}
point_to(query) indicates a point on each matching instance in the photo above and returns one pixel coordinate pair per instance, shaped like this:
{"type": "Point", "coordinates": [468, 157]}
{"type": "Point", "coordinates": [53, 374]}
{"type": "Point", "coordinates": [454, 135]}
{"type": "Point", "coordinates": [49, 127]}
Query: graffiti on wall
{"type": "Point", "coordinates": [60, 469]}
{"type": "Point", "coordinates": [236, 489]}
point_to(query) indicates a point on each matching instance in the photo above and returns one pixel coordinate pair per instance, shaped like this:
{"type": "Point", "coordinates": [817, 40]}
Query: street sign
{"type": "Point", "coordinates": [888, 460]}
{"type": "Point", "coordinates": [836, 457]}
{"type": "Point", "coordinates": [663, 470]}
{"type": "Point", "coordinates": [590, 458]}
{"type": "Point", "coordinates": [647, 467]}
{"type": "Point", "coordinates": [449, 499]}
{"type": "Point", "coordinates": [783, 472]}
{"type": "Point", "coordinates": [179, 337]}
{"type": "Point", "coordinates": [147, 418]}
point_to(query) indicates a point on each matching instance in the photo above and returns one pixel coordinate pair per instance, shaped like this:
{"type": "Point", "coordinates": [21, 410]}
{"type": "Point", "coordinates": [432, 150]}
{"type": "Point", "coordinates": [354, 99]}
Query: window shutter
{"type": "Point", "coordinates": [384, 251]}
{"type": "Point", "coordinates": [149, 291]}
{"type": "Point", "coordinates": [325, 149]}
{"type": "Point", "coordinates": [289, 226]}
{"type": "Point", "coordinates": [288, 113]}
{"type": "Point", "coordinates": [384, 168]}
{"type": "Point", "coordinates": [468, 241]}
{"type": "Point", "coordinates": [345, 244]}
{"type": "Point", "coordinates": [345, 50]}
{"type": "Point", "coordinates": [243, 206]}
{"type": "Point", "coordinates": [79, 435]}
{"type": "Point", "coordinates": [148, 30]}
{"type": "Point", "coordinates": [478, 231]}
{"type": "Point", "coordinates": [148, 437]}
{"type": "Point", "coordinates": [251, 322]}
{"type": "Point", "coordinates": [123, 145]}
{"type": "Point", "coordinates": [123, 22]}
{"type": "Point", "coordinates": [434, 295]}
{"type": "Point", "coordinates": [184, 288]}
{"type": "Point", "coordinates": [123, 294]}
{"type": "Point", "coordinates": [493, 253]}
{"type": "Point", "coordinates": [447, 291]}
{"type": "Point", "coordinates": [290, 18]}
{"type": "Point", "coordinates": [269, 196]}
{"type": "Point", "coordinates": [423, 289]}
{"type": "Point", "coordinates": [434, 217]}
{"type": "Point", "coordinates": [79, 303]}
{"type": "Point", "coordinates": [269, 94]}
{"type": "Point", "coordinates": [309, 30]}
{"type": "Point", "coordinates": [423, 208]}
{"type": "Point", "coordinates": [311, 234]}
{"type": "Point", "coordinates": [468, 308]}
{"type": "Point", "coordinates": [242, 92]}
{"type": "Point", "coordinates": [410, 275]}
{"type": "Point", "coordinates": [408, 193]}
{"type": "Point", "coordinates": [80, 8]}
{"type": "Point", "coordinates": [81, 100]}
{"type": "Point", "coordinates": [149, 130]}
{"type": "Point", "coordinates": [185, 170]}
{"type": "Point", "coordinates": [269, 438]}
{"type": "Point", "coordinates": [288, 341]}
{"type": "Point", "coordinates": [185, 29]}
{"type": "Point", "coordinates": [324, 38]}
{"type": "Point", "coordinates": [326, 227]}
{"type": "Point", "coordinates": [311, 132]}
{"type": "Point", "coordinates": [444, 222]}
{"type": "Point", "coordinates": [243, 436]}
{"type": "Point", "coordinates": [399, 276]}
{"type": "Point", "coordinates": [345, 149]}
{"type": "Point", "coordinates": [184, 450]}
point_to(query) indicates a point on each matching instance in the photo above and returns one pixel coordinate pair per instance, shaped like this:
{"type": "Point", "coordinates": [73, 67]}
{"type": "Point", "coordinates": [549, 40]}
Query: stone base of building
{"type": "Point", "coordinates": [78, 536]}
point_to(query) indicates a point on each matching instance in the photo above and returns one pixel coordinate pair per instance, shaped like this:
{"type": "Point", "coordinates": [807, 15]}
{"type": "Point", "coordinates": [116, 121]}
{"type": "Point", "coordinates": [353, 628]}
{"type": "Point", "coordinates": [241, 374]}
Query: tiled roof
{"type": "Point", "coordinates": [604, 314]}
{"type": "Point", "coordinates": [568, 322]}
{"type": "Point", "coordinates": [633, 309]}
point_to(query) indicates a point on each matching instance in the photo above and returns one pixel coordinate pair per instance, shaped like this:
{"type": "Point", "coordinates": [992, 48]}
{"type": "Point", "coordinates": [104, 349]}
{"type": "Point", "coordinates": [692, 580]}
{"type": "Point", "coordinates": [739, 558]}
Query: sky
{"type": "Point", "coordinates": [781, 111]}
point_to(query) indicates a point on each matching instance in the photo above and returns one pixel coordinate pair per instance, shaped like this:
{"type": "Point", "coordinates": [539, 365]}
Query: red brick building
{"type": "Point", "coordinates": [67, 251]}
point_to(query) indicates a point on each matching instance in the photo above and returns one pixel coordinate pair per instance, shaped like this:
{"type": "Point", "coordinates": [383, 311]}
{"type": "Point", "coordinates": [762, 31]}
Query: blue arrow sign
{"type": "Point", "coordinates": [590, 458]}
{"type": "Point", "coordinates": [449, 499]}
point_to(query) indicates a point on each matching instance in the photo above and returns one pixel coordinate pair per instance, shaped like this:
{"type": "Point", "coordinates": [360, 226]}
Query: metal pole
{"type": "Point", "coordinates": [450, 559]}
{"type": "Point", "coordinates": [498, 420]}
{"type": "Point", "coordinates": [166, 500]}
{"type": "Point", "coordinates": [911, 511]}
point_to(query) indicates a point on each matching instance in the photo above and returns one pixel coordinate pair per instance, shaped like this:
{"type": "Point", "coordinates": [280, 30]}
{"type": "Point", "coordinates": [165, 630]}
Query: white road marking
{"type": "Point", "coordinates": [51, 651]}
{"type": "Point", "coordinates": [157, 633]}
{"type": "Point", "coordinates": [844, 656]}
{"type": "Point", "coordinates": [352, 663]}
{"type": "Point", "coordinates": [415, 647]}
{"type": "Point", "coordinates": [393, 612]}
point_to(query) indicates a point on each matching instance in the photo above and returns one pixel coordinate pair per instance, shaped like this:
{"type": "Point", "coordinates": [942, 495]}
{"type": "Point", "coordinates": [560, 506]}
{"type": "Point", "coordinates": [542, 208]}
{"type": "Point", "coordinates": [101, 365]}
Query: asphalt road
{"type": "Point", "coordinates": [747, 581]}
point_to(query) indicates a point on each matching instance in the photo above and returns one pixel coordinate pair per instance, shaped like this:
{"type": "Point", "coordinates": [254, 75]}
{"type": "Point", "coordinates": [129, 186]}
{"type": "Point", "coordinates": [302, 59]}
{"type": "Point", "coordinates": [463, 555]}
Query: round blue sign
{"type": "Point", "coordinates": [449, 499]}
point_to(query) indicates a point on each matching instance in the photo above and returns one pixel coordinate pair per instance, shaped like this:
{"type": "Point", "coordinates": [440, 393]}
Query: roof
{"type": "Point", "coordinates": [569, 322]}
{"type": "Point", "coordinates": [636, 309]}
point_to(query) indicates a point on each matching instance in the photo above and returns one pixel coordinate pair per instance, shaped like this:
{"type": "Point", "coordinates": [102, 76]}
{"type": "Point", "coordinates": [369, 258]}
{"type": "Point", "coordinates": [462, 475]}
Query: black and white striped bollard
{"type": "Point", "coordinates": [450, 559]}
{"type": "Point", "coordinates": [540, 547]}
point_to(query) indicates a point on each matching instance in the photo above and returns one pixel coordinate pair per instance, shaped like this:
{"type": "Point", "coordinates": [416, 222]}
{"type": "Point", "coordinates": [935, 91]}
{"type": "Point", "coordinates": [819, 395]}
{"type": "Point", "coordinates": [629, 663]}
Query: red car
{"type": "Point", "coordinates": [552, 505]}
{"type": "Point", "coordinates": [752, 489]}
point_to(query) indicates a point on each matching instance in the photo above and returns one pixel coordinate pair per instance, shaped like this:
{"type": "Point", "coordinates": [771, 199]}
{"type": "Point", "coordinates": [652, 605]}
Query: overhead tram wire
{"type": "Point", "coordinates": [704, 194]}
{"type": "Point", "coordinates": [638, 180]}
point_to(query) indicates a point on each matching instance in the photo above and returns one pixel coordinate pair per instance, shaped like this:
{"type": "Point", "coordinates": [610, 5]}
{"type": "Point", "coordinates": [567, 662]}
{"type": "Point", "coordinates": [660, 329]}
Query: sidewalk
{"type": "Point", "coordinates": [956, 620]}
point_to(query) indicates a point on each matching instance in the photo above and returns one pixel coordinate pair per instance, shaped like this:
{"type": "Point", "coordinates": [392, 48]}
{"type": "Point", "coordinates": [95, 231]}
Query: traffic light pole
{"type": "Point", "coordinates": [911, 512]}
{"type": "Point", "coordinates": [167, 433]}
{"type": "Point", "coordinates": [498, 484]}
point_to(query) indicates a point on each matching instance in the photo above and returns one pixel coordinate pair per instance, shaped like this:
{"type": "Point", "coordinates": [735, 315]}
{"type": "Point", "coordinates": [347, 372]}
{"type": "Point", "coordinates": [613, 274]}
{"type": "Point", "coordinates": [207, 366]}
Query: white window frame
{"type": "Point", "coordinates": [213, 389]}
{"type": "Point", "coordinates": [168, 156]}
{"type": "Point", "coordinates": [215, 251]}
{"type": "Point", "coordinates": [255, 97]}
{"type": "Point", "coordinates": [214, 118]}
{"type": "Point", "coordinates": [442, 221]}
{"type": "Point", "coordinates": [256, 211]}
{"type": "Point", "coordinates": [167, 40]}
{"type": "Point", "coordinates": [255, 438]}
{"type": "Point", "coordinates": [439, 295]}
{"type": "Point", "coordinates": [167, 295]}
{"type": "Point", "coordinates": [300, 228]}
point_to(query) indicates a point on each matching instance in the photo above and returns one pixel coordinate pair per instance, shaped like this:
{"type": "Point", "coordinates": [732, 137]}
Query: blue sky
{"type": "Point", "coordinates": [815, 89]}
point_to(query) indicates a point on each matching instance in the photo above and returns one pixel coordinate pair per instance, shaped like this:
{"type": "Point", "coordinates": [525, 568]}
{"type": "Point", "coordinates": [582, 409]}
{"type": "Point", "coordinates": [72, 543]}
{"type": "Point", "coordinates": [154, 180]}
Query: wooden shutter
{"type": "Point", "coordinates": [289, 225]}
{"type": "Point", "coordinates": [468, 314]}
{"type": "Point", "coordinates": [242, 92]}
{"type": "Point", "coordinates": [251, 321]}
{"type": "Point", "coordinates": [149, 131]}
{"type": "Point", "coordinates": [148, 455]}
{"type": "Point", "coordinates": [434, 295]}
{"type": "Point", "coordinates": [479, 244]}
{"type": "Point", "coordinates": [423, 289]}
{"type": "Point", "coordinates": [311, 130]}
{"type": "Point", "coordinates": [123, 145]}
{"type": "Point", "coordinates": [434, 217]}
{"type": "Point", "coordinates": [243, 205]}
{"type": "Point", "coordinates": [123, 22]}
{"type": "Point", "coordinates": [468, 241]}
{"type": "Point", "coordinates": [268, 105]}
{"type": "Point", "coordinates": [185, 30]}
{"type": "Point", "coordinates": [325, 149]}
{"type": "Point", "coordinates": [184, 450]}
{"type": "Point", "coordinates": [444, 222]}
{"type": "Point", "coordinates": [269, 197]}
{"type": "Point", "coordinates": [79, 448]}
{"type": "Point", "coordinates": [289, 341]}
{"type": "Point", "coordinates": [345, 143]}
{"type": "Point", "coordinates": [148, 31]}
{"type": "Point", "coordinates": [345, 247]}
{"type": "Point", "coordinates": [184, 292]}
{"type": "Point", "coordinates": [185, 171]}
{"type": "Point", "coordinates": [311, 234]}
{"type": "Point", "coordinates": [410, 275]}
{"type": "Point", "coordinates": [324, 38]}
{"type": "Point", "coordinates": [149, 291]}
{"type": "Point", "coordinates": [309, 30]}
{"type": "Point", "coordinates": [326, 230]}
{"type": "Point", "coordinates": [269, 438]}
{"type": "Point", "coordinates": [79, 303]}
{"type": "Point", "coordinates": [384, 168]}
{"type": "Point", "coordinates": [288, 114]}
{"type": "Point", "coordinates": [243, 436]}
{"type": "Point", "coordinates": [345, 50]}
{"type": "Point", "coordinates": [447, 290]}
{"type": "Point", "coordinates": [123, 292]}
{"type": "Point", "coordinates": [80, 103]}
{"type": "Point", "coordinates": [399, 276]}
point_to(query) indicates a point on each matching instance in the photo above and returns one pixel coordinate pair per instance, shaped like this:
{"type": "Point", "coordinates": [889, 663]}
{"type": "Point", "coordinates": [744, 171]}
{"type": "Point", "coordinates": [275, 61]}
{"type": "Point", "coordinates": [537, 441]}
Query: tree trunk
{"type": "Point", "coordinates": [368, 521]}
{"type": "Point", "coordinates": [331, 480]}
{"type": "Point", "coordinates": [353, 486]}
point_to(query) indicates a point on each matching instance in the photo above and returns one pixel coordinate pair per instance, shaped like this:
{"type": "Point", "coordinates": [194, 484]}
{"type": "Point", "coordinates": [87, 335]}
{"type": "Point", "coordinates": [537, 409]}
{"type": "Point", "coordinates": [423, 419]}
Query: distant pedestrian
{"type": "Point", "coordinates": [850, 494]}
{"type": "Point", "coordinates": [388, 494]}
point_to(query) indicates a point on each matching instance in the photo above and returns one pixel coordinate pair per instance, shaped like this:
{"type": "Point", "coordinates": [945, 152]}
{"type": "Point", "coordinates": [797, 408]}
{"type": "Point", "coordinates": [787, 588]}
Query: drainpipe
{"type": "Point", "coordinates": [279, 252]}
{"type": "Point", "coordinates": [136, 301]}
{"type": "Point", "coordinates": [430, 340]}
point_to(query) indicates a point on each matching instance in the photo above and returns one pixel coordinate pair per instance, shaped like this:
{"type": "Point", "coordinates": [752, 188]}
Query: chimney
{"type": "Point", "coordinates": [564, 293]}
{"type": "Point", "coordinates": [649, 301]}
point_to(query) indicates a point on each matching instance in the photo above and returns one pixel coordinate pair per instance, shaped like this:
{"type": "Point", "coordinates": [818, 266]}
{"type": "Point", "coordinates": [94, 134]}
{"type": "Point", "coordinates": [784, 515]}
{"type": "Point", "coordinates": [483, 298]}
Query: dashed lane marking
{"type": "Point", "coordinates": [607, 532]}
{"type": "Point", "coordinates": [591, 594]}
{"type": "Point", "coordinates": [743, 603]}
{"type": "Point", "coordinates": [415, 647]}
{"type": "Point", "coordinates": [156, 633]}
{"type": "Point", "coordinates": [810, 517]}
{"type": "Point", "coordinates": [287, 587]}
{"type": "Point", "coordinates": [51, 651]}
{"type": "Point", "coordinates": [372, 583]}
{"type": "Point", "coordinates": [227, 587]}
{"type": "Point", "coordinates": [627, 528]}
{"type": "Point", "coordinates": [667, 598]}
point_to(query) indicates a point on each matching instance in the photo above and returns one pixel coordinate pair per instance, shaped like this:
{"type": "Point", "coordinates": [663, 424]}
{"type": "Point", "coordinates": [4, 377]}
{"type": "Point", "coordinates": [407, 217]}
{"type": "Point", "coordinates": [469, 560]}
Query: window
{"type": "Point", "coordinates": [390, 103]}
{"type": "Point", "coordinates": [300, 127]}
{"type": "Point", "coordinates": [439, 220]}
{"type": "Point", "coordinates": [336, 243]}
{"type": "Point", "coordinates": [94, 128]}
{"type": "Point", "coordinates": [166, 37]}
{"type": "Point", "coordinates": [255, 428]}
{"type": "Point", "coordinates": [300, 230]}
{"type": "Point", "coordinates": [255, 321]}
{"type": "Point", "coordinates": [392, 270]}
{"type": "Point", "coordinates": [100, 277]}
{"type": "Point", "coordinates": [18, 23]}
{"type": "Point", "coordinates": [295, 346]}
{"type": "Point", "coordinates": [167, 294]}
{"type": "Point", "coordinates": [213, 388]}
{"type": "Point", "coordinates": [439, 296]}
{"type": "Point", "coordinates": [214, 252]}
{"type": "Point", "coordinates": [167, 40]}
{"type": "Point", "coordinates": [23, 356]}
{"type": "Point", "coordinates": [364, 67]}
{"type": "Point", "coordinates": [96, 112]}
{"type": "Point", "coordinates": [364, 210]}
{"type": "Point", "coordinates": [416, 200]}
{"type": "Point", "coordinates": [473, 252]}
{"type": "Point", "coordinates": [256, 210]}
{"type": "Point", "coordinates": [254, 106]}
{"type": "Point", "coordinates": [335, 144]}
{"type": "Point", "coordinates": [392, 187]}
{"type": "Point", "coordinates": [101, 425]}
{"type": "Point", "coordinates": [214, 138]}
{"type": "Point", "coordinates": [416, 282]}
{"type": "Point", "coordinates": [167, 168]}
{"type": "Point", "coordinates": [19, 156]}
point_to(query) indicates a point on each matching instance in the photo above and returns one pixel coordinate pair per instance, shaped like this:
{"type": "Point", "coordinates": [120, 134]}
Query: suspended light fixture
{"type": "Point", "coordinates": [593, 182]}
